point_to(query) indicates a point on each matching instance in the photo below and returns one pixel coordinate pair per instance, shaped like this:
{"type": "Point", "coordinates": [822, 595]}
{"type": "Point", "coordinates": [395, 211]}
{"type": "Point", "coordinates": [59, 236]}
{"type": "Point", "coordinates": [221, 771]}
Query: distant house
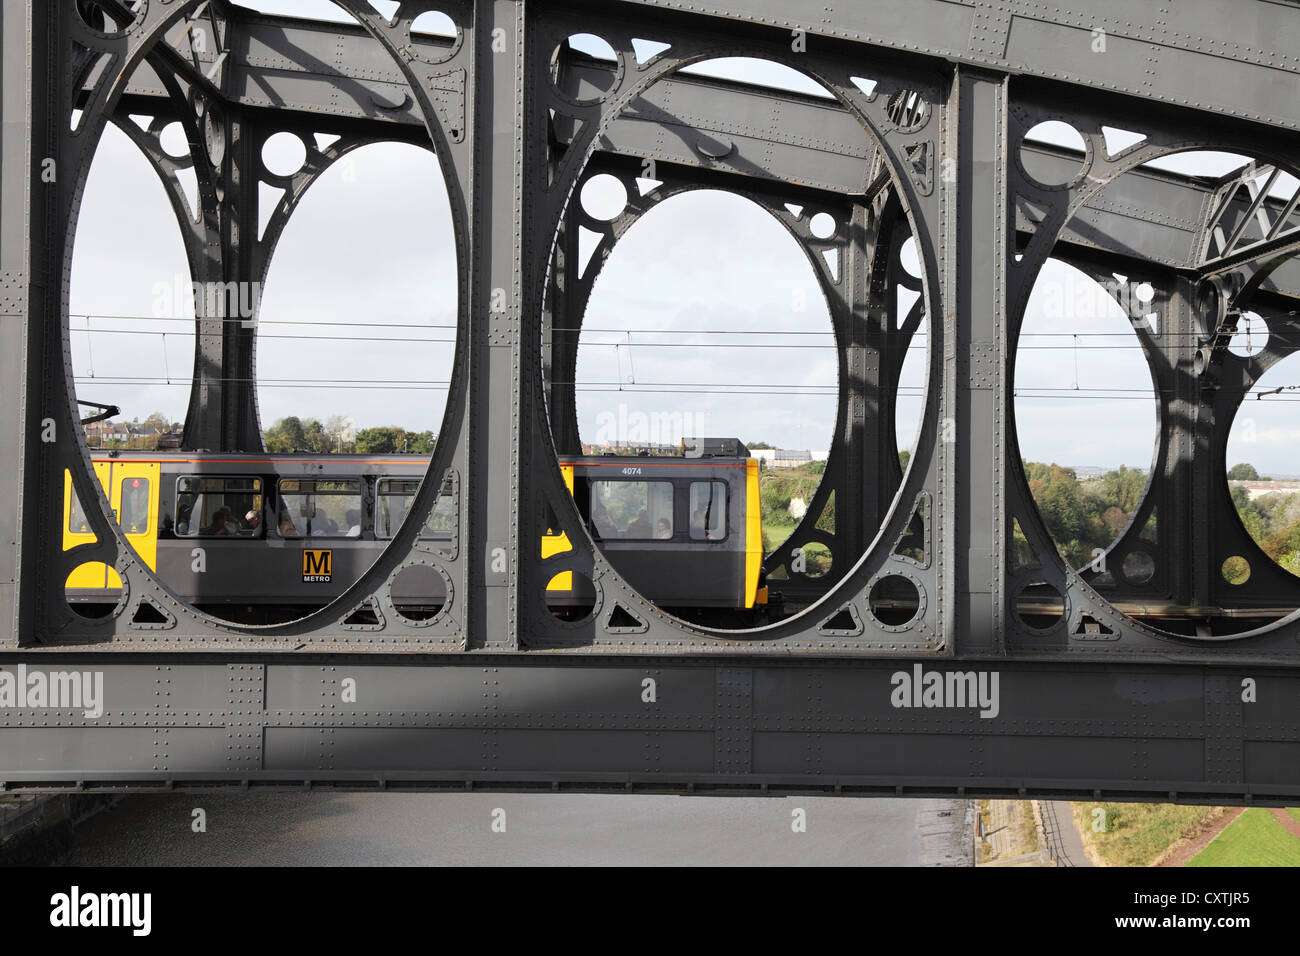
{"type": "Point", "coordinates": [1258, 489]}
{"type": "Point", "coordinates": [786, 457]}
{"type": "Point", "coordinates": [790, 457]}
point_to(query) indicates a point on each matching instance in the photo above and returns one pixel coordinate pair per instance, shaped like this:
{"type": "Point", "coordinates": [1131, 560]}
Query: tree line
{"type": "Point", "coordinates": [335, 435]}
{"type": "Point", "coordinates": [1085, 516]}
{"type": "Point", "coordinates": [1273, 520]}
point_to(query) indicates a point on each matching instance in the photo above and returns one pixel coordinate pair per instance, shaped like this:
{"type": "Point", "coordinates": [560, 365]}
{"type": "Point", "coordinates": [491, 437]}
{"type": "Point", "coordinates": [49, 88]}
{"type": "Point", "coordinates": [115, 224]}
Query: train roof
{"type": "Point", "coordinates": [294, 464]}
{"type": "Point", "coordinates": [648, 462]}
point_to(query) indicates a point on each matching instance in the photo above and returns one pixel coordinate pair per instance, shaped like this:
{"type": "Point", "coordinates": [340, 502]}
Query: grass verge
{"type": "Point", "coordinates": [1253, 839]}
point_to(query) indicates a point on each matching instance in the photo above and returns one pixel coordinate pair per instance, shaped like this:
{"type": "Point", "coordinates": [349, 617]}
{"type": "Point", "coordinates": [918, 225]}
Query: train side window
{"type": "Point", "coordinates": [320, 508]}
{"type": "Point", "coordinates": [632, 510]}
{"type": "Point", "coordinates": [393, 501]}
{"type": "Point", "coordinates": [133, 515]}
{"type": "Point", "coordinates": [77, 522]}
{"type": "Point", "coordinates": [708, 510]}
{"type": "Point", "coordinates": [218, 507]}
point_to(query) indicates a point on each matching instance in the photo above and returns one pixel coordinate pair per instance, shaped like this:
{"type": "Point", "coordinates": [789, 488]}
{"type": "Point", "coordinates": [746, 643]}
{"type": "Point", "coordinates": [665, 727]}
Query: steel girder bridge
{"type": "Point", "coordinates": [1172, 684]}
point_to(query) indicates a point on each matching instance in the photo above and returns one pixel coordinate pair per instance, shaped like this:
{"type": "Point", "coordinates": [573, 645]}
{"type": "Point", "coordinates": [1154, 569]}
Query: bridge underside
{"type": "Point", "coordinates": [1008, 672]}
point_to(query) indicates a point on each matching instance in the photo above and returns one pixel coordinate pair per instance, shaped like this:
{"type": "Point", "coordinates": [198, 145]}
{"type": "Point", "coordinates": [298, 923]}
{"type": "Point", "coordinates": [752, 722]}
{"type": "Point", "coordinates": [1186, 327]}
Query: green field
{"type": "Point", "coordinates": [1254, 839]}
{"type": "Point", "coordinates": [1135, 834]}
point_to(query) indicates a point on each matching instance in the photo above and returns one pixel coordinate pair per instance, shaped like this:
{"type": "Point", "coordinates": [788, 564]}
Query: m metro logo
{"type": "Point", "coordinates": [317, 566]}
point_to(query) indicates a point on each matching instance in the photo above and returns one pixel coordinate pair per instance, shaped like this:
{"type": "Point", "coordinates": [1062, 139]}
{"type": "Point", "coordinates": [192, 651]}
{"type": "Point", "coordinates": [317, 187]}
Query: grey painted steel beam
{"type": "Point", "coordinates": [1195, 56]}
{"type": "Point", "coordinates": [337, 73]}
{"type": "Point", "coordinates": [1233, 59]}
{"type": "Point", "coordinates": [748, 726]}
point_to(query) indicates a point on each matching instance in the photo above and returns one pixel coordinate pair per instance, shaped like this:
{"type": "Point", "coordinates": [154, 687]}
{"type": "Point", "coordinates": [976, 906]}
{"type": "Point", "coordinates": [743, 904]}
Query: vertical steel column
{"type": "Point", "coordinates": [973, 264]}
{"type": "Point", "coordinates": [1184, 521]}
{"type": "Point", "coordinates": [859, 505]}
{"type": "Point", "coordinates": [560, 344]}
{"type": "Point", "coordinates": [222, 412]}
{"type": "Point", "coordinates": [496, 309]}
{"type": "Point", "coordinates": [28, 198]}
{"type": "Point", "coordinates": [239, 215]}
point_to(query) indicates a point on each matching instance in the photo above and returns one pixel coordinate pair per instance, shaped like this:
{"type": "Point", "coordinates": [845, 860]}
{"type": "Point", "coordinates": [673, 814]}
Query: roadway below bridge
{"type": "Point", "coordinates": [340, 829]}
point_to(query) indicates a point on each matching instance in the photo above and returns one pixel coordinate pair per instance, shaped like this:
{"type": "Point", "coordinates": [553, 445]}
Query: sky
{"type": "Point", "coordinates": [359, 308]}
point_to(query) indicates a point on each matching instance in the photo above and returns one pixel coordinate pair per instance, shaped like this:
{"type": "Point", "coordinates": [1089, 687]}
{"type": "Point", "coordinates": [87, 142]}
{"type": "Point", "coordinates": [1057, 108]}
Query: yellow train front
{"type": "Point", "coordinates": [684, 531]}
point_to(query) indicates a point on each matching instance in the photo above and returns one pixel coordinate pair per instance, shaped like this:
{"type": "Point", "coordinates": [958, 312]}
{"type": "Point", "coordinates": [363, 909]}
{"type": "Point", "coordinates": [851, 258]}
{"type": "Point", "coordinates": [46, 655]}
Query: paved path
{"type": "Point", "coordinates": [1063, 840]}
{"type": "Point", "coordinates": [420, 829]}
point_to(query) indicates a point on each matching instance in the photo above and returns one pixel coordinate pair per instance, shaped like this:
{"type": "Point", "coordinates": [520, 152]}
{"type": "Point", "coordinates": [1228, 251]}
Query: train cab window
{"type": "Point", "coordinates": [320, 508]}
{"type": "Point", "coordinates": [636, 510]}
{"type": "Point", "coordinates": [708, 510]}
{"type": "Point", "coordinates": [218, 507]}
{"type": "Point", "coordinates": [133, 515]}
{"type": "Point", "coordinates": [393, 501]}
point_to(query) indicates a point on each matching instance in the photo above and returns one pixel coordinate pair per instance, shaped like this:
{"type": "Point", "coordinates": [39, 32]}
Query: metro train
{"type": "Point", "coordinates": [285, 534]}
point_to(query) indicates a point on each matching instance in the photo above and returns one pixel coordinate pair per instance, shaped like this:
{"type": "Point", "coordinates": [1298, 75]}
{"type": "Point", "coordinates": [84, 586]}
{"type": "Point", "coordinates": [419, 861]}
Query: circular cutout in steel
{"type": "Point", "coordinates": [908, 110]}
{"type": "Point", "coordinates": [604, 197]}
{"type": "Point", "coordinates": [418, 593]}
{"type": "Point", "coordinates": [214, 137]}
{"type": "Point", "coordinates": [812, 559]}
{"type": "Point", "coordinates": [910, 258]}
{"type": "Point", "coordinates": [1235, 570]}
{"type": "Point", "coordinates": [585, 68]}
{"type": "Point", "coordinates": [283, 154]}
{"type": "Point", "coordinates": [894, 600]}
{"type": "Point", "coordinates": [93, 591]}
{"type": "Point", "coordinates": [1040, 606]}
{"type": "Point", "coordinates": [1251, 336]}
{"type": "Point", "coordinates": [1051, 166]}
{"type": "Point", "coordinates": [434, 23]}
{"type": "Point", "coordinates": [571, 596]}
{"type": "Point", "coordinates": [1138, 567]}
{"type": "Point", "coordinates": [173, 141]}
{"type": "Point", "coordinates": [823, 225]}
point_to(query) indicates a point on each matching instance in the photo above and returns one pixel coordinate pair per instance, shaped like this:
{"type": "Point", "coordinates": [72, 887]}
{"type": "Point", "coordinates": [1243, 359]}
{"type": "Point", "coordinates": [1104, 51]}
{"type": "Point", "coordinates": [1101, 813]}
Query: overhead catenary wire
{"type": "Point", "coordinates": [256, 323]}
{"type": "Point", "coordinates": [1127, 337]}
{"type": "Point", "coordinates": [627, 344]}
{"type": "Point", "coordinates": [792, 391]}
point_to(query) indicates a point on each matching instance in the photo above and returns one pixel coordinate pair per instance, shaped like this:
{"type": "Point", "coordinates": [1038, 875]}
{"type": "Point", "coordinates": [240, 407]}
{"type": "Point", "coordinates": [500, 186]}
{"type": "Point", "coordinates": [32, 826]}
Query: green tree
{"type": "Point", "coordinates": [1070, 515]}
{"type": "Point", "coordinates": [383, 440]}
{"type": "Point", "coordinates": [1250, 513]}
{"type": "Point", "coordinates": [157, 421]}
{"type": "Point", "coordinates": [314, 437]}
{"type": "Point", "coordinates": [285, 436]}
{"type": "Point", "coordinates": [421, 443]}
{"type": "Point", "coordinates": [1123, 489]}
{"type": "Point", "coordinates": [1243, 472]}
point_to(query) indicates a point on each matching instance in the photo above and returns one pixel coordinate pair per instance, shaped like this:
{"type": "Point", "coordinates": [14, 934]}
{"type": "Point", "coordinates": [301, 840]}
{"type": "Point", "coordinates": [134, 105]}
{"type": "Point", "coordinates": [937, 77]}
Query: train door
{"type": "Point", "coordinates": [132, 490]}
{"type": "Point", "coordinates": [134, 498]}
{"type": "Point", "coordinates": [76, 531]}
